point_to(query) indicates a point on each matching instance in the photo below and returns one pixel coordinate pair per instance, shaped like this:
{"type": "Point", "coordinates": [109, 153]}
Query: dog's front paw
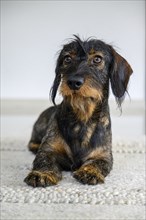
{"type": "Point", "coordinates": [42, 179]}
{"type": "Point", "coordinates": [88, 174]}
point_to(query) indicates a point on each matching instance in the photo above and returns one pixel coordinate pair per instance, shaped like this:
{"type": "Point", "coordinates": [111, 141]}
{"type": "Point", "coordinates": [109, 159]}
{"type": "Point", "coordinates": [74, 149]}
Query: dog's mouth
{"type": "Point", "coordinates": [86, 91]}
{"type": "Point", "coordinates": [80, 95]}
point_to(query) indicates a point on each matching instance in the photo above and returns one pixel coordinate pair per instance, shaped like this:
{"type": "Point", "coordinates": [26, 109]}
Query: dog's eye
{"type": "Point", "coordinates": [67, 59]}
{"type": "Point", "coordinates": [97, 59]}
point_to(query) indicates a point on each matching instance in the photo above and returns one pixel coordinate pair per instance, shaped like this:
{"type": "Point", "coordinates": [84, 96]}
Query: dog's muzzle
{"type": "Point", "coordinates": [75, 83]}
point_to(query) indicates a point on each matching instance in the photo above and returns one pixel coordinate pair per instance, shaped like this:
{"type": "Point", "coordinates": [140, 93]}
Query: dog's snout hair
{"type": "Point", "coordinates": [76, 134]}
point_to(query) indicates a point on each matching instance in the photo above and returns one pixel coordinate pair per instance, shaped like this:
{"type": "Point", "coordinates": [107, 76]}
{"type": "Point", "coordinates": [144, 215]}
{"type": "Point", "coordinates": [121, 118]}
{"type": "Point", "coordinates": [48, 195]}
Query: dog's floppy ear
{"type": "Point", "coordinates": [57, 80]}
{"type": "Point", "coordinates": [119, 76]}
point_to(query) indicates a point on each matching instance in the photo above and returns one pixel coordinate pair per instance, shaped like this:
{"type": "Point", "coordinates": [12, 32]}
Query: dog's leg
{"type": "Point", "coordinates": [38, 132]}
{"type": "Point", "coordinates": [36, 139]}
{"type": "Point", "coordinates": [45, 170]}
{"type": "Point", "coordinates": [33, 146]}
{"type": "Point", "coordinates": [94, 171]}
{"type": "Point", "coordinates": [40, 129]}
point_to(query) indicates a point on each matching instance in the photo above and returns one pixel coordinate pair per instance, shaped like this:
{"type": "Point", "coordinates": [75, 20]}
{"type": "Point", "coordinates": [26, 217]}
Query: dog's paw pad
{"type": "Point", "coordinates": [41, 179]}
{"type": "Point", "coordinates": [89, 175]}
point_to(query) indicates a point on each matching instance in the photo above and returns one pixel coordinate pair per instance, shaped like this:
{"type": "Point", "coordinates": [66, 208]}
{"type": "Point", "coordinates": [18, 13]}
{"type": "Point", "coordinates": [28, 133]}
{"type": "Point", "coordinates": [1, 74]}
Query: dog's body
{"type": "Point", "coordinates": [76, 135]}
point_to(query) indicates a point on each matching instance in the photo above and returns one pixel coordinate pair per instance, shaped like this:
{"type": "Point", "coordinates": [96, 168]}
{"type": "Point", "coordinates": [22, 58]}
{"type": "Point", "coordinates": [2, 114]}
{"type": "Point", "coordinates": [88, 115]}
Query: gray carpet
{"type": "Point", "coordinates": [121, 197]}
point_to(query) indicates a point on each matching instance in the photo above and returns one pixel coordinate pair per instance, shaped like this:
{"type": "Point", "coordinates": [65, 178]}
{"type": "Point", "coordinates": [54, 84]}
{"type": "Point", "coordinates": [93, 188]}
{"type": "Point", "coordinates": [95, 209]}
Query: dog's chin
{"type": "Point", "coordinates": [82, 101]}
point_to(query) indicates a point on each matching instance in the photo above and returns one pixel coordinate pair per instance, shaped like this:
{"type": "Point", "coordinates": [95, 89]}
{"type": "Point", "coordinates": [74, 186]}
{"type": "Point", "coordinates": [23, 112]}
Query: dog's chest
{"type": "Point", "coordinates": [78, 135]}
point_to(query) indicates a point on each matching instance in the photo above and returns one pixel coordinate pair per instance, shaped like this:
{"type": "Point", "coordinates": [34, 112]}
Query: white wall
{"type": "Point", "coordinates": [33, 31]}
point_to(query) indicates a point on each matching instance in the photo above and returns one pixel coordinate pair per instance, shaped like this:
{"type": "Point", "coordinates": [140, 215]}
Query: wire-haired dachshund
{"type": "Point", "coordinates": [76, 134]}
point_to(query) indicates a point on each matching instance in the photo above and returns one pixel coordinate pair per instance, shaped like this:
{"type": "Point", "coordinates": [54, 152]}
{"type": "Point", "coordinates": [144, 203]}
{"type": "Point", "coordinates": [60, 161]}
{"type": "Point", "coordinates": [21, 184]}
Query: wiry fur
{"type": "Point", "coordinates": [76, 134]}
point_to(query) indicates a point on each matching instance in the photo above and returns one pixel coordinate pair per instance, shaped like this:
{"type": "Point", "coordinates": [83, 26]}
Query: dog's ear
{"type": "Point", "coordinates": [57, 80]}
{"type": "Point", "coordinates": [119, 76]}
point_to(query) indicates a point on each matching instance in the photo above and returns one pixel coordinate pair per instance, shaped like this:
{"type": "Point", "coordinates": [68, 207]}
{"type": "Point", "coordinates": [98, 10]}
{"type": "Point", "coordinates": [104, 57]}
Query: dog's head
{"type": "Point", "coordinates": [84, 69]}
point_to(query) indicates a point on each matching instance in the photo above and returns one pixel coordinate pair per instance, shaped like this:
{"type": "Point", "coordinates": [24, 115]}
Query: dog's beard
{"type": "Point", "coordinates": [83, 101]}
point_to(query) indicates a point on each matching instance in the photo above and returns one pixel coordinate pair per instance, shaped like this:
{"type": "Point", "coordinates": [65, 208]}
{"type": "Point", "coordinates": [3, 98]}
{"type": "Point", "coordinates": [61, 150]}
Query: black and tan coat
{"type": "Point", "coordinates": [76, 134]}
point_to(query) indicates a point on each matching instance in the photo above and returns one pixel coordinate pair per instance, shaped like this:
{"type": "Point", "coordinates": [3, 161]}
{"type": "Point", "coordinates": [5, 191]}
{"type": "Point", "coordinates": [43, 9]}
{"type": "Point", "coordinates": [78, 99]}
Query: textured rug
{"type": "Point", "coordinates": [121, 197]}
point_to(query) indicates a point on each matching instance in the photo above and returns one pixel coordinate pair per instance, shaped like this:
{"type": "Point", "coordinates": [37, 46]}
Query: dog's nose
{"type": "Point", "coordinates": [75, 84]}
